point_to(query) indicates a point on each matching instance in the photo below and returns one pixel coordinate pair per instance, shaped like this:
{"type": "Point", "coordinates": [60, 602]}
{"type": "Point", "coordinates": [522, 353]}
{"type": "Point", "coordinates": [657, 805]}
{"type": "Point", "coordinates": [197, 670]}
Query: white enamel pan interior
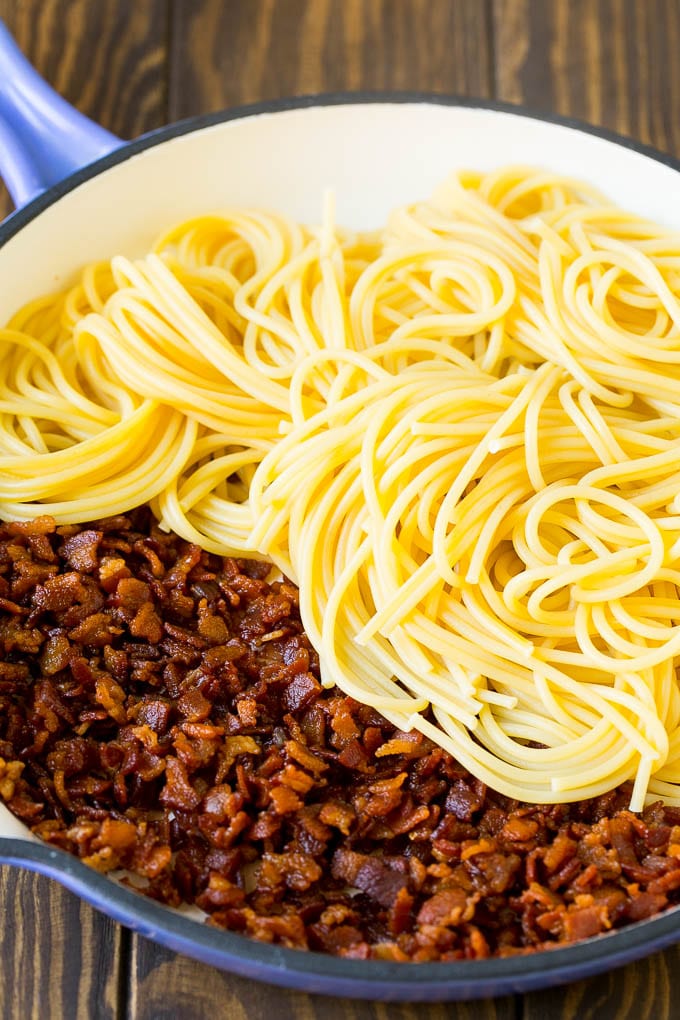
{"type": "Point", "coordinates": [375, 155]}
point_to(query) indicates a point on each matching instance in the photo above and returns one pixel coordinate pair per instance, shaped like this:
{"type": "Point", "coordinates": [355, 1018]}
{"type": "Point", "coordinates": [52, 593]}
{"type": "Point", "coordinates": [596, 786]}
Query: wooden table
{"type": "Point", "coordinates": [137, 64]}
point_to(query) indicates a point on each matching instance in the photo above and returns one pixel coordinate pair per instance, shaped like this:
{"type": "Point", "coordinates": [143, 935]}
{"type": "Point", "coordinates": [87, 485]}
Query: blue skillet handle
{"type": "Point", "coordinates": [43, 138]}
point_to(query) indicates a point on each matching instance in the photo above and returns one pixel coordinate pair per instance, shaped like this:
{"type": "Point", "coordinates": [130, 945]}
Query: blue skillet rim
{"type": "Point", "coordinates": [305, 970]}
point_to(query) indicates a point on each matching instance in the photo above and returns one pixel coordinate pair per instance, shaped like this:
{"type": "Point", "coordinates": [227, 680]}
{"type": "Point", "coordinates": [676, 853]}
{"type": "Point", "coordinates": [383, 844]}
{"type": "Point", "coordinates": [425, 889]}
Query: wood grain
{"type": "Point", "coordinates": [642, 991]}
{"type": "Point", "coordinates": [165, 987]}
{"type": "Point", "coordinates": [610, 62]}
{"type": "Point", "coordinates": [247, 50]}
{"type": "Point", "coordinates": [107, 58]}
{"type": "Point", "coordinates": [59, 960]}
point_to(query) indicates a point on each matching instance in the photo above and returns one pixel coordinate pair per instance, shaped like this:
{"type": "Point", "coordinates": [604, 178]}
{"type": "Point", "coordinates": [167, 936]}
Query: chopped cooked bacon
{"type": "Point", "coordinates": [161, 712]}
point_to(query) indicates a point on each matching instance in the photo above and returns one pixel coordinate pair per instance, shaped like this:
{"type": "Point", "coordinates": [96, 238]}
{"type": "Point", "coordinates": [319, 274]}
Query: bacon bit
{"type": "Point", "coordinates": [194, 706]}
{"type": "Point", "coordinates": [543, 897]}
{"type": "Point", "coordinates": [116, 833]}
{"type": "Point", "coordinates": [202, 731]}
{"type": "Point", "coordinates": [666, 883]}
{"type": "Point", "coordinates": [15, 637]}
{"type": "Point", "coordinates": [132, 594]}
{"type": "Point", "coordinates": [645, 904]}
{"type": "Point", "coordinates": [147, 624]}
{"type": "Point", "coordinates": [288, 930]}
{"type": "Point", "coordinates": [556, 854]}
{"type": "Point", "coordinates": [232, 651]}
{"type": "Point", "coordinates": [284, 800]}
{"type": "Point", "coordinates": [354, 756]}
{"type": "Point", "coordinates": [247, 711]}
{"type": "Point", "coordinates": [103, 860]}
{"type": "Point", "coordinates": [273, 635]}
{"type": "Point", "coordinates": [341, 816]}
{"type": "Point", "coordinates": [484, 846]}
{"type": "Point", "coordinates": [96, 631]}
{"type": "Point", "coordinates": [155, 714]}
{"type": "Point", "coordinates": [303, 756]}
{"type": "Point", "coordinates": [80, 550]}
{"type": "Point", "coordinates": [59, 592]}
{"type": "Point", "coordinates": [112, 570]}
{"type": "Point", "coordinates": [265, 827]}
{"type": "Point", "coordinates": [417, 873]}
{"type": "Point", "coordinates": [296, 779]}
{"type": "Point", "coordinates": [146, 736]}
{"type": "Point", "coordinates": [225, 837]}
{"type": "Point", "coordinates": [60, 788]}
{"type": "Point", "coordinates": [144, 549]}
{"type": "Point", "coordinates": [478, 947]}
{"type": "Point", "coordinates": [586, 879]}
{"type": "Point", "coordinates": [14, 672]}
{"type": "Point", "coordinates": [407, 817]}
{"type": "Point", "coordinates": [381, 797]}
{"type": "Point", "coordinates": [370, 874]}
{"type": "Point", "coordinates": [343, 724]}
{"type": "Point", "coordinates": [43, 524]}
{"type": "Point", "coordinates": [210, 626]}
{"type": "Point", "coordinates": [372, 739]}
{"type": "Point", "coordinates": [464, 799]}
{"type": "Point", "coordinates": [444, 908]}
{"type": "Point", "coordinates": [337, 914]}
{"type": "Point", "coordinates": [519, 830]}
{"type": "Point", "coordinates": [403, 743]}
{"type": "Point", "coordinates": [584, 919]}
{"type": "Point", "coordinates": [383, 951]}
{"type": "Point", "coordinates": [55, 654]}
{"type": "Point", "coordinates": [231, 749]}
{"type": "Point", "coordinates": [195, 754]}
{"type": "Point", "coordinates": [189, 558]}
{"type": "Point", "coordinates": [111, 696]}
{"type": "Point", "coordinates": [83, 832]}
{"type": "Point", "coordinates": [152, 862]}
{"type": "Point", "coordinates": [9, 774]}
{"type": "Point", "coordinates": [184, 635]}
{"type": "Point", "coordinates": [220, 893]}
{"type": "Point", "coordinates": [178, 793]}
{"type": "Point", "coordinates": [401, 912]}
{"type": "Point", "coordinates": [7, 606]}
{"type": "Point", "coordinates": [26, 573]}
{"type": "Point", "coordinates": [295, 870]}
{"type": "Point", "coordinates": [300, 692]}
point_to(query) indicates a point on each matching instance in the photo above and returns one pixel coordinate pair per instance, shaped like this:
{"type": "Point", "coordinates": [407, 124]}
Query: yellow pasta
{"type": "Point", "coordinates": [459, 436]}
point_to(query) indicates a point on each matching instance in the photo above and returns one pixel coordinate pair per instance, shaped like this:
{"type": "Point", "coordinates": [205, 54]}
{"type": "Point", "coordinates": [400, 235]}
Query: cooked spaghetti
{"type": "Point", "coordinates": [459, 437]}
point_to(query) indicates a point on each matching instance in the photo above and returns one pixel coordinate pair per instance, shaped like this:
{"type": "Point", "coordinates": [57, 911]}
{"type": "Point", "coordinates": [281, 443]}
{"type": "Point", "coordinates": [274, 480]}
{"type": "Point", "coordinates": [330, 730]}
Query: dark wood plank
{"type": "Point", "coordinates": [614, 63]}
{"type": "Point", "coordinates": [611, 62]}
{"type": "Point", "coordinates": [642, 991]}
{"type": "Point", "coordinates": [165, 987]}
{"type": "Point", "coordinates": [247, 50]}
{"type": "Point", "coordinates": [58, 957]}
{"type": "Point", "coordinates": [107, 58]}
